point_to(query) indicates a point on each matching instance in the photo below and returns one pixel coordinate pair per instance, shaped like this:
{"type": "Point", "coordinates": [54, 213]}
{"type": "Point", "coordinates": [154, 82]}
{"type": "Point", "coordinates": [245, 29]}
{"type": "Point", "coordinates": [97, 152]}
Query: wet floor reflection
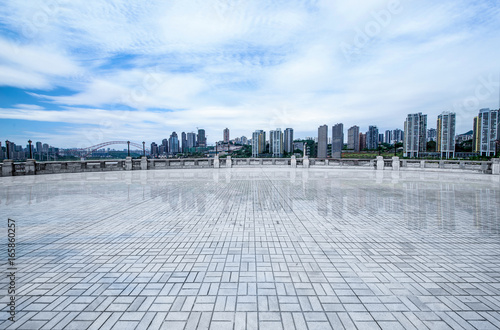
{"type": "Point", "coordinates": [418, 201]}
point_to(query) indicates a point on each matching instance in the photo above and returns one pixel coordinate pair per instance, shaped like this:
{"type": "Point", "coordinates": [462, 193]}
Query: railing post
{"type": "Point", "coordinates": [305, 162]}
{"type": "Point", "coordinates": [422, 164]}
{"type": "Point", "coordinates": [293, 162]}
{"type": "Point", "coordinates": [128, 164]}
{"type": "Point", "coordinates": [228, 162]}
{"type": "Point", "coordinates": [395, 163]}
{"type": "Point", "coordinates": [495, 167]}
{"type": "Point", "coordinates": [216, 161]}
{"type": "Point", "coordinates": [380, 163]}
{"type": "Point", "coordinates": [30, 167]}
{"type": "Point", "coordinates": [8, 167]}
{"type": "Point", "coordinates": [144, 163]}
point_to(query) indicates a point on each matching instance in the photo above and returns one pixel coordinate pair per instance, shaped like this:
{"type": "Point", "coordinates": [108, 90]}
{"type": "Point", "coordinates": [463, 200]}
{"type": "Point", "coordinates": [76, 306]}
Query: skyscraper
{"type": "Point", "coordinates": [276, 143]}
{"type": "Point", "coordinates": [372, 138]}
{"type": "Point", "coordinates": [154, 150]}
{"type": "Point", "coordinates": [191, 140]}
{"type": "Point", "coordinates": [202, 140]}
{"type": "Point", "coordinates": [258, 143]}
{"type": "Point", "coordinates": [323, 141]}
{"type": "Point", "coordinates": [431, 134]}
{"type": "Point", "coordinates": [353, 138]}
{"type": "Point", "coordinates": [362, 141]}
{"type": "Point", "coordinates": [225, 134]}
{"type": "Point", "coordinates": [173, 142]}
{"type": "Point", "coordinates": [163, 149]}
{"type": "Point", "coordinates": [486, 131]}
{"type": "Point", "coordinates": [244, 140]}
{"type": "Point", "coordinates": [397, 135]}
{"type": "Point", "coordinates": [415, 135]}
{"type": "Point", "coordinates": [288, 140]}
{"type": "Point", "coordinates": [445, 141]}
{"type": "Point", "coordinates": [184, 142]}
{"type": "Point", "coordinates": [337, 140]}
{"type": "Point", "coordinates": [388, 137]}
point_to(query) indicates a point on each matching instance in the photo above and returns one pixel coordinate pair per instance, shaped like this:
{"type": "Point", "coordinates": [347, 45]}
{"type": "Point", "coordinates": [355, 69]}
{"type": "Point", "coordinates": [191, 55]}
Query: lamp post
{"type": "Point", "coordinates": [128, 148]}
{"type": "Point", "coordinates": [7, 146]}
{"type": "Point", "coordinates": [144, 148]}
{"type": "Point", "coordinates": [29, 141]}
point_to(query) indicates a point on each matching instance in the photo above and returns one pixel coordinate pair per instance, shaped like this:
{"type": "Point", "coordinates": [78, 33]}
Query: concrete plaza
{"type": "Point", "coordinates": [253, 248]}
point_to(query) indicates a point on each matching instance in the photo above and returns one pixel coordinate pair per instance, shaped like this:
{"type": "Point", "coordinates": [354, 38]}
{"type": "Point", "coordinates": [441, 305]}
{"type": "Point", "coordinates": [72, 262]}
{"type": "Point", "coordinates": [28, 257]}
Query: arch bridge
{"type": "Point", "coordinates": [85, 152]}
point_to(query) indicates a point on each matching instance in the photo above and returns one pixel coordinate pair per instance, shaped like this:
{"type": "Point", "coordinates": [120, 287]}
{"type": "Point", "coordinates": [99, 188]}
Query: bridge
{"type": "Point", "coordinates": [85, 152]}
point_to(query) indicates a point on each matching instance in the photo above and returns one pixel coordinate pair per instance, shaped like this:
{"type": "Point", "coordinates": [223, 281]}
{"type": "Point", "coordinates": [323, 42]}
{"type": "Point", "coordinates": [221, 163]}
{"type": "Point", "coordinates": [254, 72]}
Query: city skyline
{"type": "Point", "coordinates": [77, 75]}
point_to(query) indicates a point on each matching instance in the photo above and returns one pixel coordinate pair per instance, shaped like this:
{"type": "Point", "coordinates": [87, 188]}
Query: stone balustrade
{"type": "Point", "coordinates": [31, 167]}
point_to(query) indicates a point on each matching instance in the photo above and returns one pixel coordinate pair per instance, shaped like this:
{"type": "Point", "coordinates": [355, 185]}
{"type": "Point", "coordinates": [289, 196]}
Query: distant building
{"type": "Point", "coordinates": [353, 138]}
{"type": "Point", "coordinates": [415, 135]}
{"type": "Point", "coordinates": [191, 140]}
{"type": "Point", "coordinates": [445, 141]}
{"type": "Point", "coordinates": [431, 134]}
{"type": "Point", "coordinates": [372, 138]}
{"type": "Point", "coordinates": [486, 132]}
{"type": "Point", "coordinates": [244, 140]}
{"type": "Point", "coordinates": [154, 150]}
{"type": "Point", "coordinates": [184, 146]}
{"type": "Point", "coordinates": [173, 143]}
{"type": "Point", "coordinates": [298, 145]}
{"type": "Point", "coordinates": [39, 147]}
{"type": "Point", "coordinates": [258, 143]}
{"type": "Point", "coordinates": [337, 140]}
{"type": "Point", "coordinates": [397, 136]}
{"type": "Point", "coordinates": [362, 141]}
{"type": "Point", "coordinates": [202, 140]}
{"type": "Point", "coordinates": [380, 138]}
{"type": "Point", "coordinates": [464, 137]}
{"type": "Point", "coordinates": [323, 141]}
{"type": "Point", "coordinates": [225, 134]}
{"type": "Point", "coordinates": [276, 143]}
{"type": "Point", "coordinates": [288, 140]}
{"type": "Point", "coordinates": [388, 137]}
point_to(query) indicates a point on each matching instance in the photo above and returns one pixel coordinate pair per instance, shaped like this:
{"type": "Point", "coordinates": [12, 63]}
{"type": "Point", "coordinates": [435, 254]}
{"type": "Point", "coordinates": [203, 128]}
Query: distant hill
{"type": "Point", "coordinates": [468, 133]}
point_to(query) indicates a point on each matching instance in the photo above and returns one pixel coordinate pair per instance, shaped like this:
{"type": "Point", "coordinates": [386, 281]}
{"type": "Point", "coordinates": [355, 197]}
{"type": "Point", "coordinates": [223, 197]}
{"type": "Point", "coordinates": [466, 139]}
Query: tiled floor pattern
{"type": "Point", "coordinates": [255, 248]}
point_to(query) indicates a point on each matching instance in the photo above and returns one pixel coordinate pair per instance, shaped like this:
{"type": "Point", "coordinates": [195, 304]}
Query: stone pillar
{"type": "Point", "coordinates": [144, 163]}
{"type": "Point", "coordinates": [380, 163]}
{"type": "Point", "coordinates": [30, 167]}
{"type": "Point", "coordinates": [305, 162]}
{"type": "Point", "coordinates": [216, 162]}
{"type": "Point", "coordinates": [395, 163]}
{"type": "Point", "coordinates": [293, 162]}
{"type": "Point", "coordinates": [229, 162]}
{"type": "Point", "coordinates": [495, 167]}
{"type": "Point", "coordinates": [128, 164]}
{"type": "Point", "coordinates": [422, 164]}
{"type": "Point", "coordinates": [8, 167]}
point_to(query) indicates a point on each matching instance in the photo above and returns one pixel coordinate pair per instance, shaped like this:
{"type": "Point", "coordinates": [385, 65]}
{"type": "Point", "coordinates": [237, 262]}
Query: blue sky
{"type": "Point", "coordinates": [77, 73]}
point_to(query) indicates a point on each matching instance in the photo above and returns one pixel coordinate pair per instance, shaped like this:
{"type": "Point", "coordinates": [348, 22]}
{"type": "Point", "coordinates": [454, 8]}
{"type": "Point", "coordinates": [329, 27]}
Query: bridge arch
{"type": "Point", "coordinates": [85, 152]}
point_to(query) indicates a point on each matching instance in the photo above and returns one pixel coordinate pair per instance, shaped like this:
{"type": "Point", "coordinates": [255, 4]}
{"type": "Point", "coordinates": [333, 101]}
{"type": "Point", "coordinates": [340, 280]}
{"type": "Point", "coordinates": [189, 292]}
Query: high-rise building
{"type": "Point", "coordinates": [431, 134]}
{"type": "Point", "coordinates": [191, 140]}
{"type": "Point", "coordinates": [337, 140]}
{"type": "Point", "coordinates": [225, 134]}
{"type": "Point", "coordinates": [353, 138]}
{"type": "Point", "coordinates": [380, 138]}
{"type": "Point", "coordinates": [202, 140]}
{"type": "Point", "coordinates": [415, 135]}
{"type": "Point", "coordinates": [486, 132]}
{"type": "Point", "coordinates": [39, 147]}
{"type": "Point", "coordinates": [184, 146]}
{"type": "Point", "coordinates": [323, 141]}
{"type": "Point", "coordinates": [258, 143]}
{"type": "Point", "coordinates": [163, 148]}
{"type": "Point", "coordinates": [244, 140]}
{"type": "Point", "coordinates": [362, 141]}
{"type": "Point", "coordinates": [388, 137]}
{"type": "Point", "coordinates": [276, 143]}
{"type": "Point", "coordinates": [445, 142]}
{"type": "Point", "coordinates": [372, 138]}
{"type": "Point", "coordinates": [154, 150]}
{"type": "Point", "coordinates": [173, 143]}
{"type": "Point", "coordinates": [397, 136]}
{"type": "Point", "coordinates": [288, 140]}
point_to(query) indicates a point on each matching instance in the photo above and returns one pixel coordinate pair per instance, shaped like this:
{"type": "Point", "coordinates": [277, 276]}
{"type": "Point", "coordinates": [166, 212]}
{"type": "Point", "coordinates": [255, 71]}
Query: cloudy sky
{"type": "Point", "coordinates": [81, 72]}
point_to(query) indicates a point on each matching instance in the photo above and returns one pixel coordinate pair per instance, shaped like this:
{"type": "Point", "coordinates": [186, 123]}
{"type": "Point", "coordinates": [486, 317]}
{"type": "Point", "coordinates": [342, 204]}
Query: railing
{"type": "Point", "coordinates": [30, 167]}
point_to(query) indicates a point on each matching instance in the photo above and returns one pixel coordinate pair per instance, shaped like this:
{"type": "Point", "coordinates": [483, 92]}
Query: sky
{"type": "Point", "coordinates": [76, 73]}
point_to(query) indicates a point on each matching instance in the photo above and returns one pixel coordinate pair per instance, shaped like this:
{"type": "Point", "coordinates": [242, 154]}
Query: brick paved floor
{"type": "Point", "coordinates": [254, 248]}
